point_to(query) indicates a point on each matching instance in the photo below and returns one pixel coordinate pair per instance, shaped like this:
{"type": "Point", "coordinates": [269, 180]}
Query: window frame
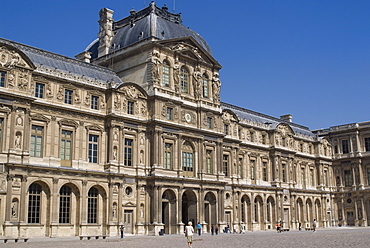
{"type": "Point", "coordinates": [37, 147]}
{"type": "Point", "coordinates": [3, 76]}
{"type": "Point", "coordinates": [39, 90]}
{"type": "Point", "coordinates": [65, 204]}
{"type": "Point", "coordinates": [63, 148]}
{"type": "Point", "coordinates": [205, 86]}
{"type": "Point", "coordinates": [92, 205]}
{"type": "Point", "coordinates": [130, 107]}
{"type": "Point", "coordinates": [166, 73]}
{"type": "Point", "coordinates": [128, 151]}
{"type": "Point", "coordinates": [167, 155]}
{"type": "Point", "coordinates": [68, 96]}
{"type": "Point", "coordinates": [184, 80]}
{"type": "Point", "coordinates": [94, 103]}
{"type": "Point", "coordinates": [93, 148]}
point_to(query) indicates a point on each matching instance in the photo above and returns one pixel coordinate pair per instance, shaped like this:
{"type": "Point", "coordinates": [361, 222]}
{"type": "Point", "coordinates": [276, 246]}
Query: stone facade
{"type": "Point", "coordinates": [147, 143]}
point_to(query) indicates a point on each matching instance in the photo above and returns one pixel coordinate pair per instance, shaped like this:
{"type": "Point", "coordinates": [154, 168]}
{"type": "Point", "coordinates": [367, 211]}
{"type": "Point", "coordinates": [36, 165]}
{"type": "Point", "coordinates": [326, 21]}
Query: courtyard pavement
{"type": "Point", "coordinates": [330, 237]}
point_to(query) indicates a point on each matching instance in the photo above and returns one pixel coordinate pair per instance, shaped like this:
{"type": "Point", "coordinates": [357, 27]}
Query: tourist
{"type": "Point", "coordinates": [122, 228]}
{"type": "Point", "coordinates": [212, 230]}
{"type": "Point", "coordinates": [278, 227]}
{"type": "Point", "coordinates": [314, 225]}
{"type": "Point", "coordinates": [189, 231]}
{"type": "Point", "coordinates": [199, 227]}
{"type": "Point", "coordinates": [216, 229]}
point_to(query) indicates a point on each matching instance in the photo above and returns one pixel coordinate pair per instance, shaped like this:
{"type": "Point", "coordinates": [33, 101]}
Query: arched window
{"type": "Point", "coordinates": [34, 199]}
{"type": "Point", "coordinates": [92, 205]}
{"type": "Point", "coordinates": [65, 204]}
{"type": "Point", "coordinates": [187, 159]}
{"type": "Point", "coordinates": [165, 74]}
{"type": "Point", "coordinates": [184, 80]}
{"type": "Point", "coordinates": [205, 86]}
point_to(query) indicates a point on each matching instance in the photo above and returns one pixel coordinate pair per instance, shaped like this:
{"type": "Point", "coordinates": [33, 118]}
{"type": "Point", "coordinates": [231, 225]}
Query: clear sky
{"type": "Point", "coordinates": [308, 58]}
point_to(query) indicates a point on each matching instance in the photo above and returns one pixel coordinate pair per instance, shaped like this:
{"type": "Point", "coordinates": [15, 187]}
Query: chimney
{"type": "Point", "coordinates": [106, 31]}
{"type": "Point", "coordinates": [287, 118]}
{"type": "Point", "coordinates": [84, 56]}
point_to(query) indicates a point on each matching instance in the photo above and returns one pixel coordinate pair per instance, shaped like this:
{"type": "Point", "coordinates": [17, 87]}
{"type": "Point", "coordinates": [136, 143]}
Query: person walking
{"type": "Point", "coordinates": [199, 227]}
{"type": "Point", "coordinates": [122, 228]}
{"type": "Point", "coordinates": [189, 232]}
{"type": "Point", "coordinates": [216, 229]}
{"type": "Point", "coordinates": [314, 225]}
{"type": "Point", "coordinates": [212, 230]}
{"type": "Point", "coordinates": [278, 227]}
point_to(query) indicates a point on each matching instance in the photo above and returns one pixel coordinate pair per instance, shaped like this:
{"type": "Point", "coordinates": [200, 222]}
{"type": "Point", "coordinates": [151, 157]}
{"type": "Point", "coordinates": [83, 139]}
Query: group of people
{"type": "Point", "coordinates": [279, 226]}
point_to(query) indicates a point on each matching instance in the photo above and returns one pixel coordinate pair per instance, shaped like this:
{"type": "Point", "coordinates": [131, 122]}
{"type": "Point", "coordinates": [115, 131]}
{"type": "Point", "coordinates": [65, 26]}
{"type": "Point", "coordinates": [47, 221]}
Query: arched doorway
{"type": "Point", "coordinates": [169, 211]}
{"type": "Point", "coordinates": [258, 213]}
{"type": "Point", "coordinates": [245, 210]}
{"type": "Point", "coordinates": [300, 216]}
{"type": "Point", "coordinates": [210, 210]}
{"type": "Point", "coordinates": [270, 212]}
{"type": "Point", "coordinates": [309, 217]}
{"type": "Point", "coordinates": [189, 207]}
{"type": "Point", "coordinates": [318, 212]}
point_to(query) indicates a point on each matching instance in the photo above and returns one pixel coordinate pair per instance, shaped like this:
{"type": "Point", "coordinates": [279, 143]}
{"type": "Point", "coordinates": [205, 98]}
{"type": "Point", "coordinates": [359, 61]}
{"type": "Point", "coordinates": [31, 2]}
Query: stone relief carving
{"type": "Point", "coordinates": [10, 58]}
{"type": "Point", "coordinates": [11, 79]}
{"type": "Point", "coordinates": [197, 81]}
{"type": "Point", "coordinates": [156, 66]}
{"type": "Point", "coordinates": [176, 77]}
{"type": "Point", "coordinates": [132, 92]}
{"type": "Point", "coordinates": [117, 102]}
{"type": "Point", "coordinates": [144, 109]}
{"type": "Point", "coordinates": [216, 84]}
{"type": "Point", "coordinates": [23, 80]}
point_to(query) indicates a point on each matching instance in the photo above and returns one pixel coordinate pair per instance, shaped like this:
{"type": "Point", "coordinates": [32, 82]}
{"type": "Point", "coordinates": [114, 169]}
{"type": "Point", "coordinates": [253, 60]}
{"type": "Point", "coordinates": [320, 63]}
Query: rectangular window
{"type": "Point", "coordinates": [209, 161]}
{"type": "Point", "coordinates": [94, 102]}
{"type": "Point", "coordinates": [1, 131]}
{"type": "Point", "coordinates": [39, 90]}
{"type": "Point", "coordinates": [2, 78]}
{"type": "Point", "coordinates": [225, 165]}
{"type": "Point", "coordinates": [368, 176]}
{"type": "Point", "coordinates": [92, 206]}
{"type": "Point", "coordinates": [187, 161]}
{"type": "Point", "coordinates": [205, 87]}
{"type": "Point", "coordinates": [312, 177]}
{"type": "Point", "coordinates": [165, 74]}
{"type": "Point", "coordinates": [93, 148]}
{"type": "Point", "coordinates": [326, 178]}
{"type": "Point", "coordinates": [240, 167]}
{"type": "Point", "coordinates": [36, 141]}
{"type": "Point", "coordinates": [252, 136]}
{"type": "Point", "coordinates": [336, 149]}
{"type": "Point", "coordinates": [264, 164]}
{"type": "Point", "coordinates": [130, 108]}
{"type": "Point", "coordinates": [64, 205]}
{"type": "Point", "coordinates": [68, 96]}
{"type": "Point", "coordinates": [347, 178]}
{"type": "Point", "coordinates": [264, 139]}
{"type": "Point", "coordinates": [253, 174]}
{"type": "Point", "coordinates": [66, 148]}
{"type": "Point", "coordinates": [226, 129]}
{"type": "Point", "coordinates": [167, 156]}
{"type": "Point", "coordinates": [169, 113]}
{"type": "Point", "coordinates": [345, 146]}
{"type": "Point", "coordinates": [209, 122]}
{"type": "Point", "coordinates": [128, 152]}
{"type": "Point", "coordinates": [34, 206]}
{"type": "Point", "coordinates": [367, 144]}
{"type": "Point", "coordinates": [303, 176]}
{"type": "Point", "coordinates": [283, 172]}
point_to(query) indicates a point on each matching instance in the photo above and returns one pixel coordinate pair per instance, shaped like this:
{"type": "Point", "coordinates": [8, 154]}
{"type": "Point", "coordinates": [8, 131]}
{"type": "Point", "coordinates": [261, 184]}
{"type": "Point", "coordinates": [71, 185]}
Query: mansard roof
{"type": "Point", "coordinates": [265, 121]}
{"type": "Point", "coordinates": [68, 68]}
{"type": "Point", "coordinates": [149, 23]}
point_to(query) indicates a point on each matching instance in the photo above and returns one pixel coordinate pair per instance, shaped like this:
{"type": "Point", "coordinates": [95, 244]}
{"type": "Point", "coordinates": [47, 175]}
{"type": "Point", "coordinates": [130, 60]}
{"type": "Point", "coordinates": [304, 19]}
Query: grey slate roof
{"type": "Point", "coordinates": [265, 120]}
{"type": "Point", "coordinates": [151, 22]}
{"type": "Point", "coordinates": [41, 58]}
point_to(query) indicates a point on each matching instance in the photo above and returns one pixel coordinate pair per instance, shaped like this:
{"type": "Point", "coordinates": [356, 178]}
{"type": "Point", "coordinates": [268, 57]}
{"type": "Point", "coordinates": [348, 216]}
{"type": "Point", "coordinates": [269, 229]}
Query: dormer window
{"type": "Point", "coordinates": [165, 74]}
{"type": "Point", "coordinates": [68, 96]}
{"type": "Point", "coordinates": [2, 78]}
{"type": "Point", "coordinates": [184, 80]}
{"type": "Point", "coordinates": [205, 86]}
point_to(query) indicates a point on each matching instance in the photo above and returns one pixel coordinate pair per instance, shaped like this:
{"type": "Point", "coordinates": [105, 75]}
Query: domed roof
{"type": "Point", "coordinates": [151, 22]}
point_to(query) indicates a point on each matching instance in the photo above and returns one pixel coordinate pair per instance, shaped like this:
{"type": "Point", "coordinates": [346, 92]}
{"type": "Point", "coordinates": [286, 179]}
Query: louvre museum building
{"type": "Point", "coordinates": [133, 132]}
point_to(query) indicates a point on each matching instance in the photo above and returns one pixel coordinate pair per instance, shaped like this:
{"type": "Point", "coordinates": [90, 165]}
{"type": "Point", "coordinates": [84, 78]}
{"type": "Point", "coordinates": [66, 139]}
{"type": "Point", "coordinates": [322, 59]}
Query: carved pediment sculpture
{"type": "Point", "coordinates": [10, 58]}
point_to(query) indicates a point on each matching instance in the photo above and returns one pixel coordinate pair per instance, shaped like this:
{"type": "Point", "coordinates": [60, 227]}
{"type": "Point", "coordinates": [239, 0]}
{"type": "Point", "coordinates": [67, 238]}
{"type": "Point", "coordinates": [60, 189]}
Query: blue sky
{"type": "Point", "coordinates": [308, 58]}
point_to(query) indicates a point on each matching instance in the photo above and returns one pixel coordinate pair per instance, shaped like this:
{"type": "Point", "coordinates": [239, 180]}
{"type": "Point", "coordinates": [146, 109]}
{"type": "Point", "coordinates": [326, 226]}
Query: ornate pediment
{"type": "Point", "coordinates": [40, 117]}
{"type": "Point", "coordinates": [284, 130]}
{"type": "Point", "coordinates": [65, 122]}
{"type": "Point", "coordinates": [94, 127]}
{"type": "Point", "coordinates": [10, 58]}
{"type": "Point", "coordinates": [131, 92]}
